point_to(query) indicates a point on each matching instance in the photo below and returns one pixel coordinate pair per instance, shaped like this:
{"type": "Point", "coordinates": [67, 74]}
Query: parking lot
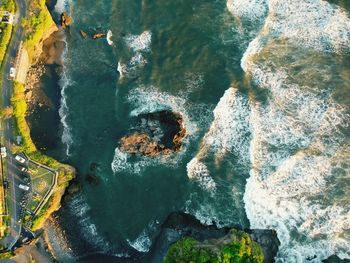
{"type": "Point", "coordinates": [35, 184]}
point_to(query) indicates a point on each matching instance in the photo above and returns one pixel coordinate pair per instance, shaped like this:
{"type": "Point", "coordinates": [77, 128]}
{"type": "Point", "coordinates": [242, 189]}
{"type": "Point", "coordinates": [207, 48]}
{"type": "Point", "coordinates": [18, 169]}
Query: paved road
{"type": "Point", "coordinates": [13, 174]}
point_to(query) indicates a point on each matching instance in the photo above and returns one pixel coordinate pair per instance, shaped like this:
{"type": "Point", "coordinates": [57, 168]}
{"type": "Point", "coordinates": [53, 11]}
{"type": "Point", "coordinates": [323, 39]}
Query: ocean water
{"type": "Point", "coordinates": [263, 87]}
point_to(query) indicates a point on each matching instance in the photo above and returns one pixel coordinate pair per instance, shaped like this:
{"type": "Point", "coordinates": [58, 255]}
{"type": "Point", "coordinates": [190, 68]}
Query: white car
{"type": "Point", "coordinates": [20, 159]}
{"type": "Point", "coordinates": [3, 152]}
{"type": "Point", "coordinates": [12, 73]}
{"type": "Point", "coordinates": [24, 187]}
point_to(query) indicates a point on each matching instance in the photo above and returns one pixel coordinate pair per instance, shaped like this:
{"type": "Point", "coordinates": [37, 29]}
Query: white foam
{"type": "Point", "coordinates": [198, 171]}
{"type": "Point", "coordinates": [62, 6]}
{"type": "Point", "coordinates": [142, 243]}
{"type": "Point", "coordinates": [140, 42]}
{"type": "Point", "coordinates": [133, 67]}
{"type": "Point", "coordinates": [253, 10]}
{"type": "Point", "coordinates": [109, 37]}
{"type": "Point", "coordinates": [149, 99]}
{"type": "Point", "coordinates": [63, 111]}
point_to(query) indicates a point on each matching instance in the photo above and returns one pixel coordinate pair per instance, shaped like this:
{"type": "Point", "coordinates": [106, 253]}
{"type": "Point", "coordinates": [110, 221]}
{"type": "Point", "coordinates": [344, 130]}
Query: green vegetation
{"type": "Point", "coordinates": [36, 24]}
{"type": "Point", "coordinates": [239, 248]}
{"type": "Point", "coordinates": [6, 255]}
{"type": "Point", "coordinates": [65, 172]}
{"type": "Point", "coordinates": [5, 30]}
{"type": "Point", "coordinates": [19, 106]}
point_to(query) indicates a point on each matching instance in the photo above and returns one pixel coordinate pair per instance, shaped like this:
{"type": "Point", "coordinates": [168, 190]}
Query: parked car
{"type": "Point", "coordinates": [24, 169]}
{"type": "Point", "coordinates": [3, 152]}
{"type": "Point", "coordinates": [24, 187]}
{"type": "Point", "coordinates": [20, 159]}
{"type": "Point", "coordinates": [12, 73]}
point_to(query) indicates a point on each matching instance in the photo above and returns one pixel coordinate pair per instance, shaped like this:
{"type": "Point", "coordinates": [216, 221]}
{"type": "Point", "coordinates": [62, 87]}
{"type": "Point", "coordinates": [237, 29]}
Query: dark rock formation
{"type": "Point", "coordinates": [66, 20]}
{"type": "Point", "coordinates": [98, 35]}
{"type": "Point", "coordinates": [179, 225]}
{"type": "Point", "coordinates": [335, 259]}
{"type": "Point", "coordinates": [155, 133]}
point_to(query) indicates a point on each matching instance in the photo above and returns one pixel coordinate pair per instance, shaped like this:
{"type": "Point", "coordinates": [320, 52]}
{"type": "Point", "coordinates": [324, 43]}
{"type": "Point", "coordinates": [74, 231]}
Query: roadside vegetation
{"type": "Point", "coordinates": [5, 30]}
{"type": "Point", "coordinates": [239, 248]}
{"type": "Point", "coordinates": [36, 24]}
{"type": "Point", "coordinates": [65, 172]}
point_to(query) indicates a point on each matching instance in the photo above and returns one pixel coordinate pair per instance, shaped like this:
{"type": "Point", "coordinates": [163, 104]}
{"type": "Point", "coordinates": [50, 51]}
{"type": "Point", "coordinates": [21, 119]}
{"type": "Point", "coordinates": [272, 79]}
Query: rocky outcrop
{"type": "Point", "coordinates": [66, 20]}
{"type": "Point", "coordinates": [155, 133]}
{"type": "Point", "coordinates": [83, 34]}
{"type": "Point", "coordinates": [98, 35]}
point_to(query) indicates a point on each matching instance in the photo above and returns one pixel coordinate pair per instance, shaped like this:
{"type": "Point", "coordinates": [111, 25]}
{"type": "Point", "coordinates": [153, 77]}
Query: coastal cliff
{"type": "Point", "coordinates": [39, 29]}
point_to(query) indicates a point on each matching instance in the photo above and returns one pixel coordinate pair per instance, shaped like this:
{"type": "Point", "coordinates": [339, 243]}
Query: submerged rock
{"type": "Point", "coordinates": [155, 133]}
{"type": "Point", "coordinates": [83, 34]}
{"type": "Point", "coordinates": [66, 20]}
{"type": "Point", "coordinates": [98, 35]}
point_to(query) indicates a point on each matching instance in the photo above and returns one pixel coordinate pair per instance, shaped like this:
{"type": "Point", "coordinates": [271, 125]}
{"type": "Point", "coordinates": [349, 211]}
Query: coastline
{"type": "Point", "coordinates": [66, 173]}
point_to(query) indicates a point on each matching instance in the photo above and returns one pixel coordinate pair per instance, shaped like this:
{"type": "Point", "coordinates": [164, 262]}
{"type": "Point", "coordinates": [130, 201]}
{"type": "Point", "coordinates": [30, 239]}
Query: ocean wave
{"type": "Point", "coordinates": [63, 111]}
{"type": "Point", "coordinates": [109, 37]}
{"type": "Point", "coordinates": [142, 243]}
{"type": "Point", "coordinates": [140, 42]}
{"type": "Point", "coordinates": [198, 171]}
{"type": "Point", "coordinates": [254, 10]}
{"type": "Point", "coordinates": [298, 146]}
{"type": "Point", "coordinates": [132, 68]}
{"type": "Point", "coordinates": [62, 6]}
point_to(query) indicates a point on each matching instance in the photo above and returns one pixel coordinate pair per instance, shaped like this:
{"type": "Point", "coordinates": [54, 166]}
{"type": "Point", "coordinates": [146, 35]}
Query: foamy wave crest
{"type": "Point", "coordinates": [139, 42]}
{"type": "Point", "coordinates": [63, 111]}
{"type": "Point", "coordinates": [121, 162]}
{"type": "Point", "coordinates": [132, 68]}
{"type": "Point", "coordinates": [149, 99]}
{"type": "Point", "coordinates": [198, 171]}
{"type": "Point", "coordinates": [313, 24]}
{"type": "Point", "coordinates": [62, 6]}
{"type": "Point", "coordinates": [109, 37]}
{"type": "Point", "coordinates": [298, 149]}
{"type": "Point", "coordinates": [248, 9]}
{"type": "Point", "coordinates": [142, 243]}
{"type": "Point", "coordinates": [229, 131]}
{"type": "Point", "coordinates": [289, 200]}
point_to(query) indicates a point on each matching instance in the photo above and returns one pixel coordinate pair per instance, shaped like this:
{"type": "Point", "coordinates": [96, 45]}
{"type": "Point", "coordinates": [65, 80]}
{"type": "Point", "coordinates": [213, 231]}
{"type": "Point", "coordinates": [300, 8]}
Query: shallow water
{"type": "Point", "coordinates": [262, 86]}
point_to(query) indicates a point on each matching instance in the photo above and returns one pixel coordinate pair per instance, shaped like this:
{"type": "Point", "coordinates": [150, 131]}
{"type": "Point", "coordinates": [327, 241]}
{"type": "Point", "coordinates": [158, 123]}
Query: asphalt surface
{"type": "Point", "coordinates": [13, 175]}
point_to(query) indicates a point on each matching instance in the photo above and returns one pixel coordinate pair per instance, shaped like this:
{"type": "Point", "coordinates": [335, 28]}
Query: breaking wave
{"type": "Point", "coordinates": [229, 133]}
{"type": "Point", "coordinates": [298, 149]}
{"type": "Point", "coordinates": [140, 42]}
{"type": "Point", "coordinates": [198, 171]}
{"type": "Point", "coordinates": [142, 243]}
{"type": "Point", "coordinates": [62, 6]}
{"type": "Point", "coordinates": [109, 37]}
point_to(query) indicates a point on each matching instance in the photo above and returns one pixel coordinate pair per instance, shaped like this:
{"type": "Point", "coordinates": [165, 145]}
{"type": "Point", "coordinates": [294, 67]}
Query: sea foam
{"type": "Point", "coordinates": [298, 148]}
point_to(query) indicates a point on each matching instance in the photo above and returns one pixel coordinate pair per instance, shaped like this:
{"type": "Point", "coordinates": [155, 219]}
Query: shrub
{"type": "Point", "coordinates": [240, 249]}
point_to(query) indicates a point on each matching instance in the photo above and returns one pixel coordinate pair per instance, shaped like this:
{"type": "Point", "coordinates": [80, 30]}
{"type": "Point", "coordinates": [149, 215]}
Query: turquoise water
{"type": "Point", "coordinates": [263, 89]}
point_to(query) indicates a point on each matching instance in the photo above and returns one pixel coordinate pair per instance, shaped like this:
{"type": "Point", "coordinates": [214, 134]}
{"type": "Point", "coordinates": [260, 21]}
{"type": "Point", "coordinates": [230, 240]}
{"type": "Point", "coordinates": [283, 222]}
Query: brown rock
{"type": "Point", "coordinates": [66, 20]}
{"type": "Point", "coordinates": [98, 35]}
{"type": "Point", "coordinates": [82, 33]}
{"type": "Point", "coordinates": [143, 143]}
